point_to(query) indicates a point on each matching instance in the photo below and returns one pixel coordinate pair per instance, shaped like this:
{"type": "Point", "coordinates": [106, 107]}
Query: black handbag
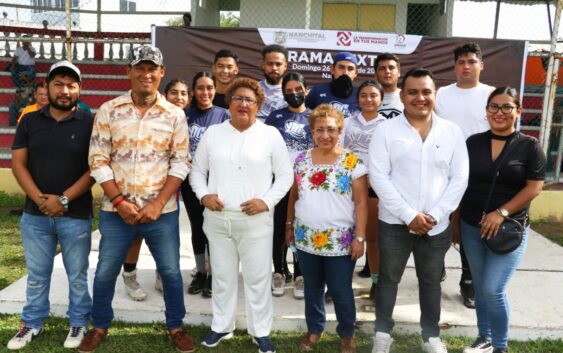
{"type": "Point", "coordinates": [511, 232]}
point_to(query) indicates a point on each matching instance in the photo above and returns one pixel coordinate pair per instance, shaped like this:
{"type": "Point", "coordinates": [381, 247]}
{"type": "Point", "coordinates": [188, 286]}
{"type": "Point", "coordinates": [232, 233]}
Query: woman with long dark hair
{"type": "Point", "coordinates": [201, 115]}
{"type": "Point", "coordinates": [517, 162]}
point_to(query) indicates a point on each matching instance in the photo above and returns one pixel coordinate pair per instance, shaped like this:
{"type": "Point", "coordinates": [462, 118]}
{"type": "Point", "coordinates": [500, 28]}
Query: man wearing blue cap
{"type": "Point", "coordinates": [339, 93]}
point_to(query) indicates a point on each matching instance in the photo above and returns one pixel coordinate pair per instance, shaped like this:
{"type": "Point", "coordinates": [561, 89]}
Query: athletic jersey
{"type": "Point", "coordinates": [320, 94]}
{"type": "Point", "coordinates": [273, 100]}
{"type": "Point", "coordinates": [358, 132]}
{"type": "Point", "coordinates": [294, 128]}
{"type": "Point", "coordinates": [199, 120]}
{"type": "Point", "coordinates": [391, 106]}
{"type": "Point", "coordinates": [465, 107]}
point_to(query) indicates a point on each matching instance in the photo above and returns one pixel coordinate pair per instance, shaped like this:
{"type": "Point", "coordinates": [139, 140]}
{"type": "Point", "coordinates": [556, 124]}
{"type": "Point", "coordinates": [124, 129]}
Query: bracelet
{"type": "Point", "coordinates": [118, 201]}
{"type": "Point", "coordinates": [113, 198]}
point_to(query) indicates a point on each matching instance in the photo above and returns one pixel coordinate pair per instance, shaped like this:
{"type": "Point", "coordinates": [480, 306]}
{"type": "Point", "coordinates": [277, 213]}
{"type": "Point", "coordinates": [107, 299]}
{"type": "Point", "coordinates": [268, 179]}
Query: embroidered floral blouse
{"type": "Point", "coordinates": [325, 211]}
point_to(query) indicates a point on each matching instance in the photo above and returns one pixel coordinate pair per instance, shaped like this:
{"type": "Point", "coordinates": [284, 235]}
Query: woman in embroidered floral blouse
{"type": "Point", "coordinates": [326, 219]}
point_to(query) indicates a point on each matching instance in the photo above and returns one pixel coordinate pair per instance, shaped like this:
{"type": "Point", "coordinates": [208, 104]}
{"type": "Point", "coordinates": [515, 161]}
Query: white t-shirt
{"type": "Point", "coordinates": [273, 100]}
{"type": "Point", "coordinates": [23, 56]}
{"type": "Point", "coordinates": [464, 106]}
{"type": "Point", "coordinates": [358, 133]}
{"type": "Point", "coordinates": [391, 106]}
{"type": "Point", "coordinates": [239, 166]}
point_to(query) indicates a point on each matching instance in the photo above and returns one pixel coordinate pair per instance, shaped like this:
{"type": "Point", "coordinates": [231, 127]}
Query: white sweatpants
{"type": "Point", "coordinates": [234, 237]}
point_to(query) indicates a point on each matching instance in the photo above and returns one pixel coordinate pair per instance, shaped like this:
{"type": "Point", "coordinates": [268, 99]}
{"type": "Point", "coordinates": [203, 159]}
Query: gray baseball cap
{"type": "Point", "coordinates": [62, 66]}
{"type": "Point", "coordinates": [147, 52]}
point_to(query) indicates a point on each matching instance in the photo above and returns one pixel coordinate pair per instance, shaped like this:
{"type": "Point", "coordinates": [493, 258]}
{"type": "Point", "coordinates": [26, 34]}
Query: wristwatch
{"type": "Point", "coordinates": [434, 221]}
{"type": "Point", "coordinates": [503, 212]}
{"type": "Point", "coordinates": [64, 201]}
{"type": "Point", "coordinates": [360, 239]}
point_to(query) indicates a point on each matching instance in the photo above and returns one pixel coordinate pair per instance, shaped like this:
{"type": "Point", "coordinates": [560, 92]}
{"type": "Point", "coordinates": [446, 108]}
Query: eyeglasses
{"type": "Point", "coordinates": [505, 109]}
{"type": "Point", "coordinates": [330, 131]}
{"type": "Point", "coordinates": [243, 99]}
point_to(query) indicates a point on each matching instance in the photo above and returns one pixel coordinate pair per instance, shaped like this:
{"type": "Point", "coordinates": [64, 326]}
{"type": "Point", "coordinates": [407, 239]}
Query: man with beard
{"type": "Point", "coordinates": [339, 92]}
{"type": "Point", "coordinates": [50, 162]}
{"type": "Point", "coordinates": [387, 71]}
{"type": "Point", "coordinates": [225, 68]}
{"type": "Point", "coordinates": [139, 156]}
{"type": "Point", "coordinates": [274, 65]}
{"type": "Point", "coordinates": [419, 168]}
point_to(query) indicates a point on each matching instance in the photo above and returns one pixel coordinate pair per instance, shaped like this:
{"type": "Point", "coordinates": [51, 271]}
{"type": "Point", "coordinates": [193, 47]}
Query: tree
{"type": "Point", "coordinates": [175, 21]}
{"type": "Point", "coordinates": [229, 19]}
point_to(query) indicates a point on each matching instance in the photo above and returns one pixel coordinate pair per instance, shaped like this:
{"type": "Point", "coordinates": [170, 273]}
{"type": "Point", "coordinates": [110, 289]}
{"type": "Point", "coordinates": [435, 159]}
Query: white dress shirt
{"type": "Point", "coordinates": [238, 166]}
{"type": "Point", "coordinates": [411, 176]}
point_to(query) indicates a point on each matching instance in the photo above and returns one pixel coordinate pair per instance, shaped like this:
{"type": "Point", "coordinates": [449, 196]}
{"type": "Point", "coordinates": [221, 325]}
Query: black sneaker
{"type": "Point", "coordinates": [265, 345]}
{"type": "Point", "coordinates": [207, 291]}
{"type": "Point", "coordinates": [213, 338]}
{"type": "Point", "coordinates": [500, 350]}
{"type": "Point", "coordinates": [197, 283]}
{"type": "Point", "coordinates": [480, 345]}
{"type": "Point", "coordinates": [466, 291]}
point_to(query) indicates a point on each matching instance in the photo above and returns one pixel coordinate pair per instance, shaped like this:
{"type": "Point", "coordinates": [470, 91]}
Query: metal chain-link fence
{"type": "Point", "coordinates": [99, 35]}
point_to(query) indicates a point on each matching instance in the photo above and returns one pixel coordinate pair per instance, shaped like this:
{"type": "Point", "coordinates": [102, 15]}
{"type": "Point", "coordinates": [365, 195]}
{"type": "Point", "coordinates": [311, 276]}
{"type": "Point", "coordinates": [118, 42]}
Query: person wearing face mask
{"type": "Point", "coordinates": [340, 92]}
{"type": "Point", "coordinates": [274, 66]}
{"type": "Point", "coordinates": [294, 127]}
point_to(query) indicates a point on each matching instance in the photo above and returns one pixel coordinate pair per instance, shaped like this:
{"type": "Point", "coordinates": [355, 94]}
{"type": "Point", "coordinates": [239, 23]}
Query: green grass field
{"type": "Point", "coordinates": [151, 338]}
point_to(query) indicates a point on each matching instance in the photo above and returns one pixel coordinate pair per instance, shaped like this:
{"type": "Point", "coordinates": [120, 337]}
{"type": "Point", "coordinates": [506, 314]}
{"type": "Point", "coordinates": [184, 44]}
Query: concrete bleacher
{"type": "Point", "coordinates": [535, 295]}
{"type": "Point", "coordinates": [102, 81]}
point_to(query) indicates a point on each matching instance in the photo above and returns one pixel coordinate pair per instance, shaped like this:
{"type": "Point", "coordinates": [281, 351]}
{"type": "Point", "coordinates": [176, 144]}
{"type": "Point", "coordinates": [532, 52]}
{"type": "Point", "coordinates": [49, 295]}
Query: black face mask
{"type": "Point", "coordinates": [342, 87]}
{"type": "Point", "coordinates": [295, 100]}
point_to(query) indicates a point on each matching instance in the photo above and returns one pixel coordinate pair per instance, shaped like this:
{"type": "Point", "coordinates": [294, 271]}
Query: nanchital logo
{"type": "Point", "coordinates": [344, 39]}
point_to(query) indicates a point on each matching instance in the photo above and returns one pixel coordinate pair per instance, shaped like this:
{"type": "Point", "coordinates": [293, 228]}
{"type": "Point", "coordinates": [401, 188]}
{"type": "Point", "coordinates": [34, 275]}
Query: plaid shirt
{"type": "Point", "coordinates": [139, 153]}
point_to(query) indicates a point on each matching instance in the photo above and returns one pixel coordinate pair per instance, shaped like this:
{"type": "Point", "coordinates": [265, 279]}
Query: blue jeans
{"type": "Point", "coordinates": [163, 239]}
{"type": "Point", "coordinates": [39, 238]}
{"type": "Point", "coordinates": [23, 70]}
{"type": "Point", "coordinates": [491, 274]}
{"type": "Point", "coordinates": [395, 246]}
{"type": "Point", "coordinates": [336, 273]}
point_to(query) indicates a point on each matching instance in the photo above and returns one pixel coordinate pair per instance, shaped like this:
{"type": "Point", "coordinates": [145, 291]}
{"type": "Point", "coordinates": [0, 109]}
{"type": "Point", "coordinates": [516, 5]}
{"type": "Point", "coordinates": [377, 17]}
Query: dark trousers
{"type": "Point", "coordinates": [279, 251]}
{"type": "Point", "coordinates": [395, 246]}
{"type": "Point", "coordinates": [195, 214]}
{"type": "Point", "coordinates": [465, 270]}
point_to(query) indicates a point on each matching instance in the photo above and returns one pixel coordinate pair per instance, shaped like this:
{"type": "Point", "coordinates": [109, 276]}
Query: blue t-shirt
{"type": "Point", "coordinates": [294, 128]}
{"type": "Point", "coordinates": [320, 94]}
{"type": "Point", "coordinates": [199, 120]}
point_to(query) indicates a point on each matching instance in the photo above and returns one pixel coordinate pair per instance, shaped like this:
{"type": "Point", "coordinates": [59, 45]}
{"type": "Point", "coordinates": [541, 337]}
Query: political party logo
{"type": "Point", "coordinates": [344, 39]}
{"type": "Point", "coordinates": [280, 38]}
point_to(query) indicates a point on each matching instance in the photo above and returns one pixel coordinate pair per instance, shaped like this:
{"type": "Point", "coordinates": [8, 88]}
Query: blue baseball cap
{"type": "Point", "coordinates": [344, 55]}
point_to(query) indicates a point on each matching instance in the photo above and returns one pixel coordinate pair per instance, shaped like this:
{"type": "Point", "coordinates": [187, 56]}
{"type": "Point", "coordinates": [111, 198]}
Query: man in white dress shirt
{"type": "Point", "coordinates": [463, 102]}
{"type": "Point", "coordinates": [419, 169]}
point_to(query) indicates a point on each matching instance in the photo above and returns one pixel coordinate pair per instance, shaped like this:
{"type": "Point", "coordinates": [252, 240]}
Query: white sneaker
{"type": "Point", "coordinates": [74, 337]}
{"type": "Point", "coordinates": [158, 282]}
{"type": "Point", "coordinates": [381, 342]}
{"type": "Point", "coordinates": [277, 285]}
{"type": "Point", "coordinates": [299, 288]}
{"type": "Point", "coordinates": [23, 337]}
{"type": "Point", "coordinates": [434, 345]}
{"type": "Point", "coordinates": [480, 345]}
{"type": "Point", "coordinates": [132, 287]}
